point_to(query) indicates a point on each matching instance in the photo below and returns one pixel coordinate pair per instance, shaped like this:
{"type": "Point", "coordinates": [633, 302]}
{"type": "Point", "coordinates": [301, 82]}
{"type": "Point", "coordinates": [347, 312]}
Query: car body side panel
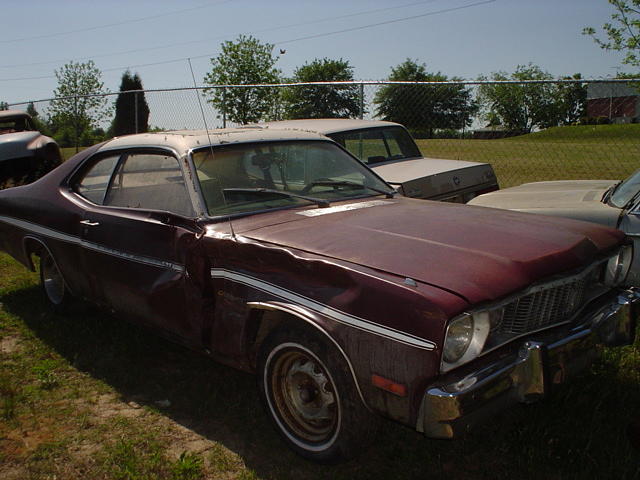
{"type": "Point", "coordinates": [348, 304]}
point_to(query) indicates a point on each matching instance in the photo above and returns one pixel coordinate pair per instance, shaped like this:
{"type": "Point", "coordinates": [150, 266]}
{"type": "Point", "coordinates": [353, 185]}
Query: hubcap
{"type": "Point", "coordinates": [304, 396]}
{"type": "Point", "coordinates": [52, 280]}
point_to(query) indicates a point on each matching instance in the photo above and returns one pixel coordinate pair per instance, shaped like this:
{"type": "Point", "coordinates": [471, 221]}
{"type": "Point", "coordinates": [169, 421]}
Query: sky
{"type": "Point", "coordinates": [462, 38]}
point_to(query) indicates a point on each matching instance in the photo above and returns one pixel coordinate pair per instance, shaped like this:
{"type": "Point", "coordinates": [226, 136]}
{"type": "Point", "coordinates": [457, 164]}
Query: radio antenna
{"type": "Point", "coordinates": [206, 127]}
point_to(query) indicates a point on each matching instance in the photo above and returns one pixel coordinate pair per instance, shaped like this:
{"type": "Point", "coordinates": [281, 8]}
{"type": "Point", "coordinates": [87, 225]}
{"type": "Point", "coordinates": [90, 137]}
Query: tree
{"type": "Point", "coordinates": [4, 106]}
{"type": "Point", "coordinates": [246, 61]}
{"type": "Point", "coordinates": [40, 124]}
{"type": "Point", "coordinates": [132, 111]}
{"type": "Point", "coordinates": [623, 33]}
{"type": "Point", "coordinates": [78, 107]}
{"type": "Point", "coordinates": [424, 108]}
{"type": "Point", "coordinates": [322, 101]}
{"type": "Point", "coordinates": [521, 106]}
{"type": "Point", "coordinates": [571, 100]}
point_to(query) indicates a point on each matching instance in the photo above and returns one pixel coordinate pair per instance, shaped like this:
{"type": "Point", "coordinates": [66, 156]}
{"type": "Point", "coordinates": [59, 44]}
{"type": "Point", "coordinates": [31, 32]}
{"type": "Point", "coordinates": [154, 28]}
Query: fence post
{"type": "Point", "coordinates": [361, 101]}
{"type": "Point", "coordinates": [224, 107]}
{"type": "Point", "coordinates": [76, 120]}
{"type": "Point", "coordinates": [135, 109]}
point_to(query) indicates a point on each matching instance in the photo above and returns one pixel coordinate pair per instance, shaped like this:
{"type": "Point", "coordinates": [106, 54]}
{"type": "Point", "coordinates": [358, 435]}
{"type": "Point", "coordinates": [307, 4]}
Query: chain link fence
{"type": "Point", "coordinates": [529, 131]}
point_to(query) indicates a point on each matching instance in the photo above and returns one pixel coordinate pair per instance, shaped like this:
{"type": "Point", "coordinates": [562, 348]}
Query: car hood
{"type": "Point", "coordinates": [477, 253]}
{"type": "Point", "coordinates": [577, 199]}
{"type": "Point", "coordinates": [14, 145]}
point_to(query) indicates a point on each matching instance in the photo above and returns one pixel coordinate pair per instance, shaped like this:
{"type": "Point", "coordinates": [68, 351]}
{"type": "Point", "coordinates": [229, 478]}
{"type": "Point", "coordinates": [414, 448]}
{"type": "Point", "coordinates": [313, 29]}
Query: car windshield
{"type": "Point", "coordinates": [626, 191]}
{"type": "Point", "coordinates": [251, 177]}
{"type": "Point", "coordinates": [15, 124]}
{"type": "Point", "coordinates": [379, 144]}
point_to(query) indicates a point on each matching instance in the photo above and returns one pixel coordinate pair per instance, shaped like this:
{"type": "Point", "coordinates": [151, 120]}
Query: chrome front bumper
{"type": "Point", "coordinates": [452, 407]}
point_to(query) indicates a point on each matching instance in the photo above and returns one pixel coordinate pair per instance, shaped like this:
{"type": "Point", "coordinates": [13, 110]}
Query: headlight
{"type": "Point", "coordinates": [465, 339]}
{"type": "Point", "coordinates": [618, 266]}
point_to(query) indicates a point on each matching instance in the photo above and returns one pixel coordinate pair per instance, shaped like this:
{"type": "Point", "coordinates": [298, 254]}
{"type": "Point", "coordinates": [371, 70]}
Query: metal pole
{"type": "Point", "coordinates": [361, 101]}
{"type": "Point", "coordinates": [224, 107]}
{"type": "Point", "coordinates": [135, 109]}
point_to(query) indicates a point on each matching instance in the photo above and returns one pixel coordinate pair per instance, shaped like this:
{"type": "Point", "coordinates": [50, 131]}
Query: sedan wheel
{"type": "Point", "coordinates": [53, 286]}
{"type": "Point", "coordinates": [310, 394]}
{"type": "Point", "coordinates": [303, 394]}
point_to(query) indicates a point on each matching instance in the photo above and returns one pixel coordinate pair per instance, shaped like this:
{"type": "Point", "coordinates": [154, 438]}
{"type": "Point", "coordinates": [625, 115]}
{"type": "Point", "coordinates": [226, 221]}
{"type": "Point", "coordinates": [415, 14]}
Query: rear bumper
{"type": "Point", "coordinates": [451, 407]}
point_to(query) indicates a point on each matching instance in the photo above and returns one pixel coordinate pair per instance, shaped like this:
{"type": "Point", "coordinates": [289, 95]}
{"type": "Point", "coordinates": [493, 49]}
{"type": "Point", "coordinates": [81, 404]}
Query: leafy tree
{"type": "Point", "coordinates": [521, 106]}
{"type": "Point", "coordinates": [571, 100]}
{"type": "Point", "coordinates": [78, 107]}
{"type": "Point", "coordinates": [424, 108]}
{"type": "Point", "coordinates": [246, 61]}
{"type": "Point", "coordinates": [322, 101]}
{"type": "Point", "coordinates": [623, 32]}
{"type": "Point", "coordinates": [4, 106]}
{"type": "Point", "coordinates": [132, 111]}
{"type": "Point", "coordinates": [39, 123]}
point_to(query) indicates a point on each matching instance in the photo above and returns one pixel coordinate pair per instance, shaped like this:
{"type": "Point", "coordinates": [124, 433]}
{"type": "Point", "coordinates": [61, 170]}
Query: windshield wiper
{"type": "Point", "coordinates": [346, 183]}
{"type": "Point", "coordinates": [318, 201]}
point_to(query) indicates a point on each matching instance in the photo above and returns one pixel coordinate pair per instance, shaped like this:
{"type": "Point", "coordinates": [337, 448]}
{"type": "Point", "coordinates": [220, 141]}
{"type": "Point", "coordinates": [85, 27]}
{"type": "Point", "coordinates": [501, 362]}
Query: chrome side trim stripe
{"type": "Point", "coordinates": [327, 311]}
{"type": "Point", "coordinates": [50, 233]}
{"type": "Point", "coordinates": [39, 229]}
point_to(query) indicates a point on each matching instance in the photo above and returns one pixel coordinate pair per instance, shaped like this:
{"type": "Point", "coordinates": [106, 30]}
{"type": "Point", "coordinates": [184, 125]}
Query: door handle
{"type": "Point", "coordinates": [89, 223]}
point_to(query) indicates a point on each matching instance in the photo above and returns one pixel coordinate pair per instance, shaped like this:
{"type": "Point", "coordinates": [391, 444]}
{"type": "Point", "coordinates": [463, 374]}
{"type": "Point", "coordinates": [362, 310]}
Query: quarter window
{"type": "Point", "coordinates": [150, 181]}
{"type": "Point", "coordinates": [94, 183]}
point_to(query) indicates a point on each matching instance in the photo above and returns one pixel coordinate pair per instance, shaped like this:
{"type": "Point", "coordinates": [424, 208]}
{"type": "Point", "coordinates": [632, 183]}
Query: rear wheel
{"type": "Point", "coordinates": [54, 288]}
{"type": "Point", "coordinates": [311, 397]}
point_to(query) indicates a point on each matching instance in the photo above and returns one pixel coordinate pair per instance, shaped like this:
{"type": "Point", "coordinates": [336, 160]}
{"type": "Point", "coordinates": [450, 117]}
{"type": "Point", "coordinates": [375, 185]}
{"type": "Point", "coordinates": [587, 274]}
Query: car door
{"type": "Point", "coordinates": [135, 239]}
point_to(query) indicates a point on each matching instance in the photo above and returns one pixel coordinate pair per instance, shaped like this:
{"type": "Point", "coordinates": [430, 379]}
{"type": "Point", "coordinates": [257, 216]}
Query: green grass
{"type": "Point", "coordinates": [69, 152]}
{"type": "Point", "coordinates": [101, 417]}
{"type": "Point", "coordinates": [580, 152]}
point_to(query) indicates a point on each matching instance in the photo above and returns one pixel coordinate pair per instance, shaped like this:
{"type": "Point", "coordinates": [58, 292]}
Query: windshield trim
{"type": "Point", "coordinates": [231, 216]}
{"type": "Point", "coordinates": [631, 202]}
{"type": "Point", "coordinates": [205, 210]}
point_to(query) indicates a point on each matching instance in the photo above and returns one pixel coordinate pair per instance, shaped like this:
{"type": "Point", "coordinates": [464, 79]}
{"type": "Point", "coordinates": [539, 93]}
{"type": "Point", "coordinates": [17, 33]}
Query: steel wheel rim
{"type": "Point", "coordinates": [305, 397]}
{"type": "Point", "coordinates": [52, 280]}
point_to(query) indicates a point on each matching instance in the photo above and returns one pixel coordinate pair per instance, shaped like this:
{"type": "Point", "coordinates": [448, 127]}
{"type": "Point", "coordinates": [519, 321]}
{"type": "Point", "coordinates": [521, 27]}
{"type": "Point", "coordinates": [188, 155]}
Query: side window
{"type": "Point", "coordinates": [93, 185]}
{"type": "Point", "coordinates": [150, 181]}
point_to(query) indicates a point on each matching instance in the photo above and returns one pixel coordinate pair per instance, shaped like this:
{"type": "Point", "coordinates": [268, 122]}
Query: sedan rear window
{"type": "Point", "coordinates": [380, 144]}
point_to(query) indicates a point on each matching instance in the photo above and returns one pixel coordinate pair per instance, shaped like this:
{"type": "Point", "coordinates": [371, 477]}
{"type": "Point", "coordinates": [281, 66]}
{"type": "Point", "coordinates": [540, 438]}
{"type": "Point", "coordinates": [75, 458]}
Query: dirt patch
{"type": "Point", "coordinates": [10, 344]}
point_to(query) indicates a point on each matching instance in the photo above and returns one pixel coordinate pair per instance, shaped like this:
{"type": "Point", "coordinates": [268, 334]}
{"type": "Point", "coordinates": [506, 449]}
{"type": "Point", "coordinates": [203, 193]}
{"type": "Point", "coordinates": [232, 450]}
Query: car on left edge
{"type": "Point", "coordinates": [25, 154]}
{"type": "Point", "coordinates": [279, 253]}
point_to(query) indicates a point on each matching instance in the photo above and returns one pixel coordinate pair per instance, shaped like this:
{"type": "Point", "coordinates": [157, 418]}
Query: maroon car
{"type": "Point", "coordinates": [277, 252]}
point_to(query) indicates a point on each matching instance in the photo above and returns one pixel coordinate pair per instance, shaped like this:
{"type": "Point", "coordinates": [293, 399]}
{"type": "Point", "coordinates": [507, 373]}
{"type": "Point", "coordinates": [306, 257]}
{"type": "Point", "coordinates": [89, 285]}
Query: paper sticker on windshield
{"type": "Point", "coordinates": [343, 208]}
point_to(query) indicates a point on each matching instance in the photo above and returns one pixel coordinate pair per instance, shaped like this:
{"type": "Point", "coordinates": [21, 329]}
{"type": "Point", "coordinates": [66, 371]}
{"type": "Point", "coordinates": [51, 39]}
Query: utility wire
{"type": "Point", "coordinates": [109, 25]}
{"type": "Point", "coordinates": [319, 35]}
{"type": "Point", "coordinates": [220, 37]}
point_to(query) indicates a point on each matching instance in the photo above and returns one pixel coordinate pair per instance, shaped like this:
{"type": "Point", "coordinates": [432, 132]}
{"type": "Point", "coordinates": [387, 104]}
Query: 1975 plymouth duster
{"type": "Point", "coordinates": [277, 252]}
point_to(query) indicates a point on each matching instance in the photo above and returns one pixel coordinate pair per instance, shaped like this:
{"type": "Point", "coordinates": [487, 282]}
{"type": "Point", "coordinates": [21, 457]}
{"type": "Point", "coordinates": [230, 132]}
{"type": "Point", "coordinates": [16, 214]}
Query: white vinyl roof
{"type": "Point", "coordinates": [327, 125]}
{"type": "Point", "coordinates": [184, 140]}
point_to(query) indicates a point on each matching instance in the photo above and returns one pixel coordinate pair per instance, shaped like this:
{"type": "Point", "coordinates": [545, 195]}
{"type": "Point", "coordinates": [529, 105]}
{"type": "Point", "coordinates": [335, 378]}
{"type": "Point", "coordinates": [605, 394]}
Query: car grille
{"type": "Point", "coordinates": [545, 307]}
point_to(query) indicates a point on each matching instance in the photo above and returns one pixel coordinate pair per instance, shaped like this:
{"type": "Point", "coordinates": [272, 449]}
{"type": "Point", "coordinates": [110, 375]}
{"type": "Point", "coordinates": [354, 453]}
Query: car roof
{"type": "Point", "coordinates": [327, 125]}
{"type": "Point", "coordinates": [183, 141]}
{"type": "Point", "coordinates": [13, 113]}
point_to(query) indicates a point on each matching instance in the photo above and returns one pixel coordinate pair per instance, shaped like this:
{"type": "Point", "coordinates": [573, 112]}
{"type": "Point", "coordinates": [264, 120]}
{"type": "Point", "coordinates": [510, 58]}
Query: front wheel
{"type": "Point", "coordinates": [311, 397]}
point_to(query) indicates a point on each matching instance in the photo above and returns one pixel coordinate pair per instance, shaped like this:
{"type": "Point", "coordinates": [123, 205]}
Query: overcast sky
{"type": "Point", "coordinates": [463, 38]}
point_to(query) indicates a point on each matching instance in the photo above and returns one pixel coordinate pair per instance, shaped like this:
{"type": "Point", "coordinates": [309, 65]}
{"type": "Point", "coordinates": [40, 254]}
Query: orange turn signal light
{"type": "Point", "coordinates": [389, 385]}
